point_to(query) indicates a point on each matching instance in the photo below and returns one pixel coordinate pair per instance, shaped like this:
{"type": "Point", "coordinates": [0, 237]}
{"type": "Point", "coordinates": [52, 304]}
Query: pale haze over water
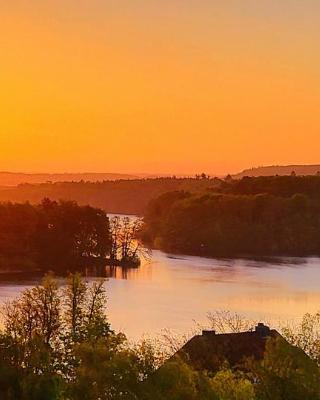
{"type": "Point", "coordinates": [175, 291]}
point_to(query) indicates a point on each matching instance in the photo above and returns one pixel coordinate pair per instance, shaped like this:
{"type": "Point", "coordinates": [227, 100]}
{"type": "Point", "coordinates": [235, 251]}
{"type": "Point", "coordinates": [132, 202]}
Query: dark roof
{"type": "Point", "coordinates": [209, 350]}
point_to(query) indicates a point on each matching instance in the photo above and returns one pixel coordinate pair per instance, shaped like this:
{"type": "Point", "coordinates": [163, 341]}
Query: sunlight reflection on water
{"type": "Point", "coordinates": [174, 291]}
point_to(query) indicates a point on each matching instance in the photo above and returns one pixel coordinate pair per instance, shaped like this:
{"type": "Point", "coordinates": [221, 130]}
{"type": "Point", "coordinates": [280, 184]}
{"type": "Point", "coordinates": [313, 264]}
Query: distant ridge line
{"type": "Point", "coordinates": [271, 170]}
{"type": "Point", "coordinates": [16, 178]}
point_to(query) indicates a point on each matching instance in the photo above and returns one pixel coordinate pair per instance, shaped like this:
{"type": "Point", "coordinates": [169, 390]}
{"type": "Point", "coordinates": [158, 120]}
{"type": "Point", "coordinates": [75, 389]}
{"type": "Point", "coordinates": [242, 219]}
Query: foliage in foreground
{"type": "Point", "coordinates": [57, 344]}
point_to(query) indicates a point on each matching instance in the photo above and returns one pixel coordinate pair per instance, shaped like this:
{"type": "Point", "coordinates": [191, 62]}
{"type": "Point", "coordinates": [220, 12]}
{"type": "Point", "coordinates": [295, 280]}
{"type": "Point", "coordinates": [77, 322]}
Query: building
{"type": "Point", "coordinates": [210, 351]}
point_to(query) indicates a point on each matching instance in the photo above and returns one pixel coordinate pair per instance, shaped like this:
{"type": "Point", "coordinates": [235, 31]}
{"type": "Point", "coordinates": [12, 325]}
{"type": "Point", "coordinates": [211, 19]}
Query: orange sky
{"type": "Point", "coordinates": [158, 86]}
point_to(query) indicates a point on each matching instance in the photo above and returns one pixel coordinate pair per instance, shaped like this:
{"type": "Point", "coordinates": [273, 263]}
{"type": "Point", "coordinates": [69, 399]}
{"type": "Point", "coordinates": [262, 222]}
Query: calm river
{"type": "Point", "coordinates": [174, 291]}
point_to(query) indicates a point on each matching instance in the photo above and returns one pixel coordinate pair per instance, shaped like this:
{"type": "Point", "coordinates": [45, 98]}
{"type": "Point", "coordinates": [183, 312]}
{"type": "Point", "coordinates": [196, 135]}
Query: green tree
{"type": "Point", "coordinates": [228, 386]}
{"type": "Point", "coordinates": [177, 380]}
{"type": "Point", "coordinates": [287, 373]}
{"type": "Point", "coordinates": [306, 335]}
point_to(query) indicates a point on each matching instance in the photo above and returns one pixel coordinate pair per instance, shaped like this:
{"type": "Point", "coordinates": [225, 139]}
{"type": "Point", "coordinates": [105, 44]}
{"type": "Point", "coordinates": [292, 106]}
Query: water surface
{"type": "Point", "coordinates": [174, 291]}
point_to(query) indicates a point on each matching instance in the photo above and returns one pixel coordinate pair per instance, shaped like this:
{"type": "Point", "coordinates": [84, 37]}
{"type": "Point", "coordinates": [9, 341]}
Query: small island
{"type": "Point", "coordinates": [63, 237]}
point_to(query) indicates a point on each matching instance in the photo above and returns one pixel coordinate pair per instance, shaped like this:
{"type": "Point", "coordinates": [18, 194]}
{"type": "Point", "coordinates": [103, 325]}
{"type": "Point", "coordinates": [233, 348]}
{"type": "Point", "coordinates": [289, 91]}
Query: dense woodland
{"type": "Point", "coordinates": [64, 236]}
{"type": "Point", "coordinates": [283, 186]}
{"type": "Point", "coordinates": [57, 344]}
{"type": "Point", "coordinates": [254, 216]}
{"type": "Point", "coordinates": [277, 215]}
{"type": "Point", "coordinates": [118, 197]}
{"type": "Point", "coordinates": [133, 196]}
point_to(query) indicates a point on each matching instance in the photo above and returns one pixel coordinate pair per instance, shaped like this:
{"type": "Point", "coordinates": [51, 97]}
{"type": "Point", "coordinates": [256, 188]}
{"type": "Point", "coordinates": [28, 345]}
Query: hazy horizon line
{"type": "Point", "coordinates": [144, 173]}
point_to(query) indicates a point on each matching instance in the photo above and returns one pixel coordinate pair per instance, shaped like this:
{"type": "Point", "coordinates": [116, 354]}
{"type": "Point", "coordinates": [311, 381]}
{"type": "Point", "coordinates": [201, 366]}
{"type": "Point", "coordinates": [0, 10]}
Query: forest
{"type": "Point", "coordinates": [132, 196]}
{"type": "Point", "coordinates": [63, 236]}
{"type": "Point", "coordinates": [234, 225]}
{"type": "Point", "coordinates": [283, 186]}
{"type": "Point", "coordinates": [117, 197]}
{"type": "Point", "coordinates": [277, 215]}
{"type": "Point", "coordinates": [57, 344]}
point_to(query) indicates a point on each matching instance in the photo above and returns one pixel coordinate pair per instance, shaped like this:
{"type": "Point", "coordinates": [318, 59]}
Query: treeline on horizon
{"type": "Point", "coordinates": [251, 217]}
{"type": "Point", "coordinates": [133, 196]}
{"type": "Point", "coordinates": [117, 197]}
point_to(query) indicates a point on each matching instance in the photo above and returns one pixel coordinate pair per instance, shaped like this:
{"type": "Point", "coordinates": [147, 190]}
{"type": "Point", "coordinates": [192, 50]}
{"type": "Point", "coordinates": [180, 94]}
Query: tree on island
{"type": "Point", "coordinates": [127, 247]}
{"type": "Point", "coordinates": [63, 236]}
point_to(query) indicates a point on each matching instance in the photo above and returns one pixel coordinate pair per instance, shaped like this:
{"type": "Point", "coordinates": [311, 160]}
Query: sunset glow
{"type": "Point", "coordinates": [158, 86]}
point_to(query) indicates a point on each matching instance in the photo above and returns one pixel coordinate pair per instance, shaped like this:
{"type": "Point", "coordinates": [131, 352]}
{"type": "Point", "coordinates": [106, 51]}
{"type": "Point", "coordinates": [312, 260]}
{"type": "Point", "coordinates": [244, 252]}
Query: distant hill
{"type": "Point", "coordinates": [17, 178]}
{"type": "Point", "coordinates": [132, 196]}
{"type": "Point", "coordinates": [279, 170]}
{"type": "Point", "coordinates": [129, 196]}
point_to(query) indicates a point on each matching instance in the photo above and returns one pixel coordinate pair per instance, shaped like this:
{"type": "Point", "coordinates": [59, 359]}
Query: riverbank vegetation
{"type": "Point", "coordinates": [63, 236]}
{"type": "Point", "coordinates": [57, 344]}
{"type": "Point", "coordinates": [234, 225]}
